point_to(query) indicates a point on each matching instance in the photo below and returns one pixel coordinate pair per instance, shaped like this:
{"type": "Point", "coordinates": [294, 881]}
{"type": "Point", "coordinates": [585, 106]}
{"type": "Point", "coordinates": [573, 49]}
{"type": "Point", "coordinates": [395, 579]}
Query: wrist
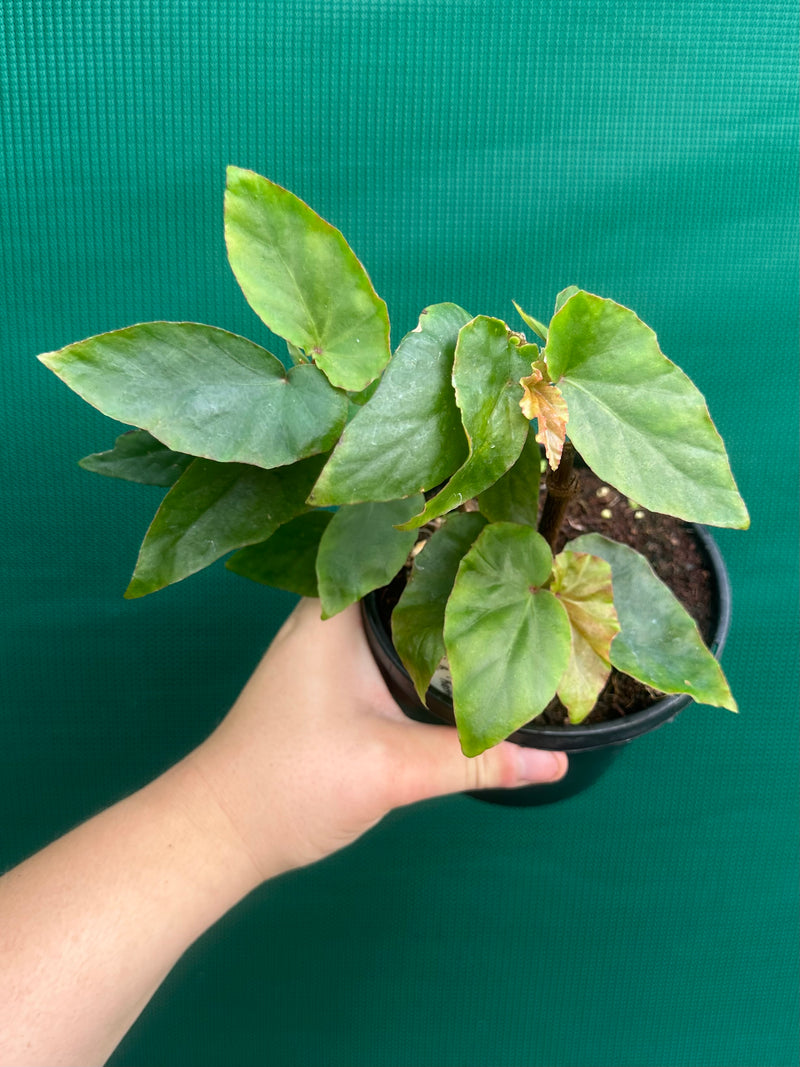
{"type": "Point", "coordinates": [240, 804]}
{"type": "Point", "coordinates": [207, 843]}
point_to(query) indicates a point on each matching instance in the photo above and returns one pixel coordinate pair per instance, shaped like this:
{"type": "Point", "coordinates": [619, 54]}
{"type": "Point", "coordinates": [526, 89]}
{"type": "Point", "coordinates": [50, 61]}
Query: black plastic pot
{"type": "Point", "coordinates": [591, 747]}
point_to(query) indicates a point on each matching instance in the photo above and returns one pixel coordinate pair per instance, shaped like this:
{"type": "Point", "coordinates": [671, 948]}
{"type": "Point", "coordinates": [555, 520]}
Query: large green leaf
{"type": "Point", "coordinates": [205, 391]}
{"type": "Point", "coordinates": [301, 277]}
{"type": "Point", "coordinates": [418, 618]}
{"type": "Point", "coordinates": [659, 642]}
{"type": "Point", "coordinates": [361, 550]}
{"type": "Point", "coordinates": [288, 559]}
{"type": "Point", "coordinates": [486, 374]}
{"type": "Point", "coordinates": [214, 508]}
{"type": "Point", "coordinates": [635, 417]}
{"type": "Point", "coordinates": [507, 638]}
{"type": "Point", "coordinates": [515, 497]}
{"type": "Point", "coordinates": [138, 457]}
{"type": "Point", "coordinates": [409, 436]}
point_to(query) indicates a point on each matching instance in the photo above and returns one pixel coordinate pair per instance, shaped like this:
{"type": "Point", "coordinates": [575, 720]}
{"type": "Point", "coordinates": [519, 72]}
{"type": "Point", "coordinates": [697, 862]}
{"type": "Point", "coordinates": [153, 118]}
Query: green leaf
{"type": "Point", "coordinates": [360, 399]}
{"type": "Point", "coordinates": [296, 355]}
{"type": "Point", "coordinates": [214, 508]}
{"type": "Point", "coordinates": [409, 437]}
{"type": "Point", "coordinates": [659, 642]}
{"type": "Point", "coordinates": [582, 583]}
{"type": "Point", "coordinates": [515, 497]}
{"type": "Point", "coordinates": [507, 638]}
{"type": "Point", "coordinates": [205, 392]}
{"type": "Point", "coordinates": [288, 559]}
{"type": "Point", "coordinates": [538, 327]}
{"type": "Point", "coordinates": [303, 280]}
{"type": "Point", "coordinates": [418, 619]}
{"type": "Point", "coordinates": [564, 296]}
{"type": "Point", "coordinates": [486, 374]}
{"type": "Point", "coordinates": [361, 550]}
{"type": "Point", "coordinates": [138, 457]}
{"type": "Point", "coordinates": [636, 419]}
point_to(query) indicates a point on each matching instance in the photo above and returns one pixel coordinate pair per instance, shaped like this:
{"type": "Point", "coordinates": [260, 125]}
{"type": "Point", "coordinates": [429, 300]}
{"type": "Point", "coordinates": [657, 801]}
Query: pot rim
{"type": "Point", "coordinates": [567, 738]}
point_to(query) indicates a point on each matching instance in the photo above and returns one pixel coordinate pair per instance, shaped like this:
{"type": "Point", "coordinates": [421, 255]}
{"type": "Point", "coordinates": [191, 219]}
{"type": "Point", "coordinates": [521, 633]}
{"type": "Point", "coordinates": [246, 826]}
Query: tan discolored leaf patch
{"type": "Point", "coordinates": [582, 583]}
{"type": "Point", "coordinates": [542, 400]}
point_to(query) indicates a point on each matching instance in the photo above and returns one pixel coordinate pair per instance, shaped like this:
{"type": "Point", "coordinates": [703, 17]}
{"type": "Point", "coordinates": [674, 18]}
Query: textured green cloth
{"type": "Point", "coordinates": [470, 151]}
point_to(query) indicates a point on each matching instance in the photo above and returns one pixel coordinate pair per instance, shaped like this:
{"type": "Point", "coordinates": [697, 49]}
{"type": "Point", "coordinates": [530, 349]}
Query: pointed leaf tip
{"type": "Point", "coordinates": [538, 327]}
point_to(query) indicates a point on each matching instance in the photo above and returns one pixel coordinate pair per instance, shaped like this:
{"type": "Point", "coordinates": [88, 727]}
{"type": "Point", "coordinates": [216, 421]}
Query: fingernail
{"type": "Point", "coordinates": [536, 765]}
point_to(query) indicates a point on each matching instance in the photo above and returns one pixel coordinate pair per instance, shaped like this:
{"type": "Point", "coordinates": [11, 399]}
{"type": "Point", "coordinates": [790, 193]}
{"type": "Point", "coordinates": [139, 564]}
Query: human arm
{"type": "Point", "coordinates": [313, 753]}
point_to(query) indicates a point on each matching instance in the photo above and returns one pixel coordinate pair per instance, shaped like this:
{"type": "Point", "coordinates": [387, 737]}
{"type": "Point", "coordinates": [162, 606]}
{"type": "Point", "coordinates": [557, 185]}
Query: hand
{"type": "Point", "coordinates": [315, 751]}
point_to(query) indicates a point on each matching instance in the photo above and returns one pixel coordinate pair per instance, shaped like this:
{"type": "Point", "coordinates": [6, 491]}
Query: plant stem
{"type": "Point", "coordinates": [562, 487]}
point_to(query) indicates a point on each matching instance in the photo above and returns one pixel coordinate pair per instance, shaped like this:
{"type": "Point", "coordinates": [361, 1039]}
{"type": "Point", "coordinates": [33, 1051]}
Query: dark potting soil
{"type": "Point", "coordinates": [675, 555]}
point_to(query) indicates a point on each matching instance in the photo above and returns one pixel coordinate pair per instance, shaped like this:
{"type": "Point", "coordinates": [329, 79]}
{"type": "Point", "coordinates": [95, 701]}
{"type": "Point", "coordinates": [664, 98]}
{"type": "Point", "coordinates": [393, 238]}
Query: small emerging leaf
{"type": "Point", "coordinates": [658, 643]}
{"type": "Point", "coordinates": [138, 457]}
{"type": "Point", "coordinates": [565, 295]}
{"type": "Point", "coordinates": [296, 355]}
{"type": "Point", "coordinates": [507, 637]}
{"type": "Point", "coordinates": [538, 328]}
{"type": "Point", "coordinates": [543, 401]}
{"type": "Point", "coordinates": [418, 619]}
{"type": "Point", "coordinates": [583, 585]}
{"type": "Point", "coordinates": [288, 559]}
{"type": "Point", "coordinates": [361, 550]}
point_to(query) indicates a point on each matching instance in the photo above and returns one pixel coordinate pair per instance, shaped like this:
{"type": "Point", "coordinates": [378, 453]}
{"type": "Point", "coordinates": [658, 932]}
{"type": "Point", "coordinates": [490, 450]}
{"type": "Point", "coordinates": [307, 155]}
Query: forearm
{"type": "Point", "coordinates": [93, 924]}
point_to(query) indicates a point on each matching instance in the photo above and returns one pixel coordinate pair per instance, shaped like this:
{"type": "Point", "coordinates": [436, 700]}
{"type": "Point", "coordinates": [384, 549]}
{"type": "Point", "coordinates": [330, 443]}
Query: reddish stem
{"type": "Point", "coordinates": [561, 486]}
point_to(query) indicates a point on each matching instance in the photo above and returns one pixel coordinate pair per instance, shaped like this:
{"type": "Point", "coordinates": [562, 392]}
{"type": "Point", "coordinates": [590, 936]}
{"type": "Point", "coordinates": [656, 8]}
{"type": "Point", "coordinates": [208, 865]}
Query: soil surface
{"type": "Point", "coordinates": [674, 554]}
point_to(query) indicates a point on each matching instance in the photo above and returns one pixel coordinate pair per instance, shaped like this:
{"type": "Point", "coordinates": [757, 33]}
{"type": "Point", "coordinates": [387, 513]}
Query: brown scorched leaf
{"type": "Point", "coordinates": [543, 401]}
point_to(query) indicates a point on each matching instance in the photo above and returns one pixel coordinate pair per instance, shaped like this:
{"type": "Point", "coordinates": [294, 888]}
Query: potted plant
{"type": "Point", "coordinates": [355, 466]}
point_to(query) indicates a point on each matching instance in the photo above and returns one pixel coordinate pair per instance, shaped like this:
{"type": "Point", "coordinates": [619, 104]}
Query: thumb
{"type": "Point", "coordinates": [438, 766]}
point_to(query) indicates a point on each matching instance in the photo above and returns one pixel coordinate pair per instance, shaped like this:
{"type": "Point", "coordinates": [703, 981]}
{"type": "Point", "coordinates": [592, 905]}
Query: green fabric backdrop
{"type": "Point", "coordinates": [475, 151]}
